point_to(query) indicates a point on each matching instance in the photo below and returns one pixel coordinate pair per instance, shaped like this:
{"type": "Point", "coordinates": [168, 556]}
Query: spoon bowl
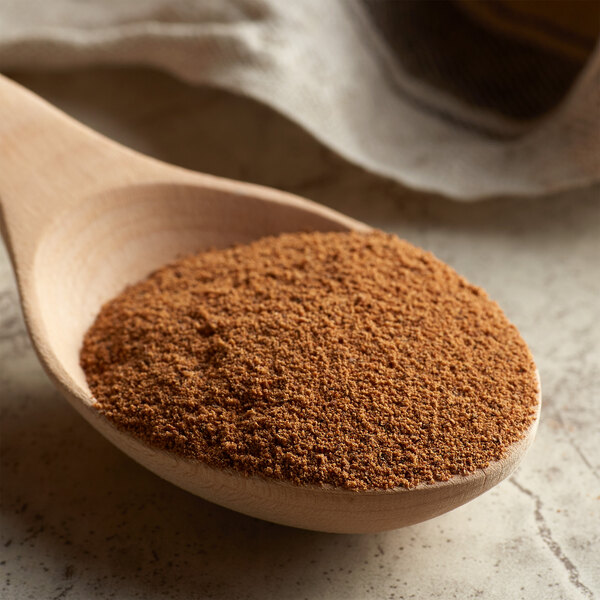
{"type": "Point", "coordinates": [84, 217]}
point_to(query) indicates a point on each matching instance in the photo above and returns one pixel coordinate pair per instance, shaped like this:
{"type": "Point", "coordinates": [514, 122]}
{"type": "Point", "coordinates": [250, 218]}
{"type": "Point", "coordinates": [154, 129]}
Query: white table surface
{"type": "Point", "coordinates": [79, 520]}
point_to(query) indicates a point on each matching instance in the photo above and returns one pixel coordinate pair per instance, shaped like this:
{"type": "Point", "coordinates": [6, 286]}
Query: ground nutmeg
{"type": "Point", "coordinates": [347, 359]}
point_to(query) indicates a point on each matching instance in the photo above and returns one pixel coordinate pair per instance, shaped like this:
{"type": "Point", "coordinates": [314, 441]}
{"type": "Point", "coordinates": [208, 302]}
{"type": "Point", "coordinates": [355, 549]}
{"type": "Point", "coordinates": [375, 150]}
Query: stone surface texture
{"type": "Point", "coordinates": [79, 520]}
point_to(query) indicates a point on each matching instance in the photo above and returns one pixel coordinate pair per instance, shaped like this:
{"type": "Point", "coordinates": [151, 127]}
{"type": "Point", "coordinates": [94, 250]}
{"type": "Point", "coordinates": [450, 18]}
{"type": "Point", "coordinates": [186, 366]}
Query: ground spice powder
{"type": "Point", "coordinates": [350, 359]}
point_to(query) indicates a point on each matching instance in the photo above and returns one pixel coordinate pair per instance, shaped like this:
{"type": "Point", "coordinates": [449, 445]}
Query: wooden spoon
{"type": "Point", "coordinates": [83, 217]}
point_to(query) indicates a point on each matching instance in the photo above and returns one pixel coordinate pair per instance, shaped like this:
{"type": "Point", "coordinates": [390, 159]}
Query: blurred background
{"type": "Point", "coordinates": [470, 128]}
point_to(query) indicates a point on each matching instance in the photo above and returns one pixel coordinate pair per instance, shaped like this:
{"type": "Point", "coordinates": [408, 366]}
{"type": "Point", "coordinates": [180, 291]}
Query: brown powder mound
{"type": "Point", "coordinates": [355, 360]}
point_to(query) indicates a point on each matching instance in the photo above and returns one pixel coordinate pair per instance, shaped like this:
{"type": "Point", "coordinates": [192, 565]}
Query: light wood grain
{"type": "Point", "coordinates": [83, 217]}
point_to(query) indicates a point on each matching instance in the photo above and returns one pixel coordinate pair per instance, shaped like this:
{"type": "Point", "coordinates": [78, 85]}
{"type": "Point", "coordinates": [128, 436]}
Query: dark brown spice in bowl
{"type": "Point", "coordinates": [350, 359]}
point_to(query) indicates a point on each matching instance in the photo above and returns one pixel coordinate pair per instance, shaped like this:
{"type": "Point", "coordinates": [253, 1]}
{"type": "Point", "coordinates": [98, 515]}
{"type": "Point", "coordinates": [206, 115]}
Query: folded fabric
{"type": "Point", "coordinates": [455, 98]}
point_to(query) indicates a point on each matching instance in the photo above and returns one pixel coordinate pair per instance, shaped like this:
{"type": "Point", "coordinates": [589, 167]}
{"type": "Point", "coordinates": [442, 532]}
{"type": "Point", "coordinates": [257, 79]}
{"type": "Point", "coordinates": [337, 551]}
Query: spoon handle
{"type": "Point", "coordinates": [49, 162]}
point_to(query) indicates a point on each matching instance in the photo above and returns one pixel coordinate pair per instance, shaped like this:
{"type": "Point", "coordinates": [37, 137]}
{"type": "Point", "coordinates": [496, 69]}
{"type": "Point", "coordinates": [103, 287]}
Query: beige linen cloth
{"type": "Point", "coordinates": [377, 82]}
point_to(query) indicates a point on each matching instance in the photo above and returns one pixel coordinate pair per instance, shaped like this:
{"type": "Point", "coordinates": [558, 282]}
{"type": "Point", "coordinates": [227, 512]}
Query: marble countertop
{"type": "Point", "coordinates": [79, 520]}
